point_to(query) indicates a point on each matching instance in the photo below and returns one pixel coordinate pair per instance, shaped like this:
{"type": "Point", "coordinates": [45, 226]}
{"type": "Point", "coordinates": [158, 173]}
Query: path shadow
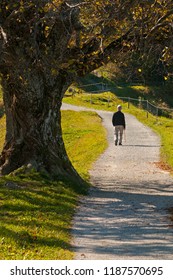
{"type": "Point", "coordinates": [118, 221]}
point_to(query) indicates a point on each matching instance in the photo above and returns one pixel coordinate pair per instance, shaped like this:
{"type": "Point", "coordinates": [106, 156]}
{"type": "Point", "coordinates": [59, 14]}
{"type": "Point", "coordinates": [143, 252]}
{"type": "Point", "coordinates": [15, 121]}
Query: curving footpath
{"type": "Point", "coordinates": [125, 214]}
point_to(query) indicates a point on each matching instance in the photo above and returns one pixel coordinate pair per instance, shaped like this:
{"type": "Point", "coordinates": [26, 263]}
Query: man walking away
{"type": "Point", "coordinates": [118, 121]}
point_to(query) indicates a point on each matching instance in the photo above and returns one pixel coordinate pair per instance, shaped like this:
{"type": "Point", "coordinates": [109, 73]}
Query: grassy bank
{"type": "Point", "coordinates": [164, 127]}
{"type": "Point", "coordinates": [36, 213]}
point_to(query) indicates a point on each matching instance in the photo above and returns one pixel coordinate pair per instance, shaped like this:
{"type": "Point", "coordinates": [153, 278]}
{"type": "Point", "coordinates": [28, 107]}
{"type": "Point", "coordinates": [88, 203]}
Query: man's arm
{"type": "Point", "coordinates": [113, 118]}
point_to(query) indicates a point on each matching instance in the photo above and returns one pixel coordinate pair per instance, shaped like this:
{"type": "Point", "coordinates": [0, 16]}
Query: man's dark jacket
{"type": "Point", "coordinates": [118, 119]}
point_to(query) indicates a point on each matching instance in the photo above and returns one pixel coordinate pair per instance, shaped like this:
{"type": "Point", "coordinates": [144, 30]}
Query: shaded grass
{"type": "Point", "coordinates": [36, 213]}
{"type": "Point", "coordinates": [35, 218]}
{"type": "Point", "coordinates": [158, 95]}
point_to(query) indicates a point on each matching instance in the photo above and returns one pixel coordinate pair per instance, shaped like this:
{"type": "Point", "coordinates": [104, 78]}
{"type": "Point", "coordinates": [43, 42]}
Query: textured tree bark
{"type": "Point", "coordinates": [33, 121]}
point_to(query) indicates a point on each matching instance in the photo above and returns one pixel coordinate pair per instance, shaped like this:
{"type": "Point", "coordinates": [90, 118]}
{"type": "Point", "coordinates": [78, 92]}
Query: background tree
{"type": "Point", "coordinates": [44, 46]}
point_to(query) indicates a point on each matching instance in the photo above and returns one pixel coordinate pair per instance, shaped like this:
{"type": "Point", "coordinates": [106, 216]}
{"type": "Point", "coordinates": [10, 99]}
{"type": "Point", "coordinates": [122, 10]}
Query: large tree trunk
{"type": "Point", "coordinates": [33, 117]}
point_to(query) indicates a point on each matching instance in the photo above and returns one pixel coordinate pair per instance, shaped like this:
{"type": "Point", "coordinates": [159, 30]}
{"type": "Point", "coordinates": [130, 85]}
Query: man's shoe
{"type": "Point", "coordinates": [116, 143]}
{"type": "Point", "coordinates": [120, 144]}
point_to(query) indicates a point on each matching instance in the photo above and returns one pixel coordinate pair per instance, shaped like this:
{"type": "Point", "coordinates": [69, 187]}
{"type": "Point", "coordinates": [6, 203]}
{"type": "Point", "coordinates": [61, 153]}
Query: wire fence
{"type": "Point", "coordinates": [96, 88]}
{"type": "Point", "coordinates": [148, 107]}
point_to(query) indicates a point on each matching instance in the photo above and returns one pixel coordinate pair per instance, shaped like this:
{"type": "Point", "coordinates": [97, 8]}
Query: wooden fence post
{"type": "Point", "coordinates": [147, 109]}
{"type": "Point", "coordinates": [128, 102]}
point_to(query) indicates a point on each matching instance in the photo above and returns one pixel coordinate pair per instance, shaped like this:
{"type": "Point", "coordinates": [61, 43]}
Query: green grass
{"type": "Point", "coordinates": [36, 213]}
{"type": "Point", "coordinates": [95, 101]}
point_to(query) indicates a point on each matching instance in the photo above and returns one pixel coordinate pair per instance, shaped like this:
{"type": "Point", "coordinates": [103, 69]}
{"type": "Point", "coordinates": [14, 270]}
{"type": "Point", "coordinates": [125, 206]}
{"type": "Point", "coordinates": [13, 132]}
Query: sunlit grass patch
{"type": "Point", "coordinates": [102, 101]}
{"type": "Point", "coordinates": [85, 139]}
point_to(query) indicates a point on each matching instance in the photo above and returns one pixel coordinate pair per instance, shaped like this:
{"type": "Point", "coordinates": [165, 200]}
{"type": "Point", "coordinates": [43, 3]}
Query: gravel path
{"type": "Point", "coordinates": [124, 216]}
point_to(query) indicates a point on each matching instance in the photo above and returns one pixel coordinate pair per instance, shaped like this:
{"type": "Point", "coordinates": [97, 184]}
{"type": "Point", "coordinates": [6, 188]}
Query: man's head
{"type": "Point", "coordinates": [119, 107]}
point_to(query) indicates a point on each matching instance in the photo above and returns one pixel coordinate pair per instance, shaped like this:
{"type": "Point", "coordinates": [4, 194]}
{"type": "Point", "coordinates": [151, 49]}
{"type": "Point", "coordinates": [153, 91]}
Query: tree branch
{"type": "Point", "coordinates": [76, 5]}
{"type": "Point", "coordinates": [3, 35]}
{"type": "Point", "coordinates": [160, 23]}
